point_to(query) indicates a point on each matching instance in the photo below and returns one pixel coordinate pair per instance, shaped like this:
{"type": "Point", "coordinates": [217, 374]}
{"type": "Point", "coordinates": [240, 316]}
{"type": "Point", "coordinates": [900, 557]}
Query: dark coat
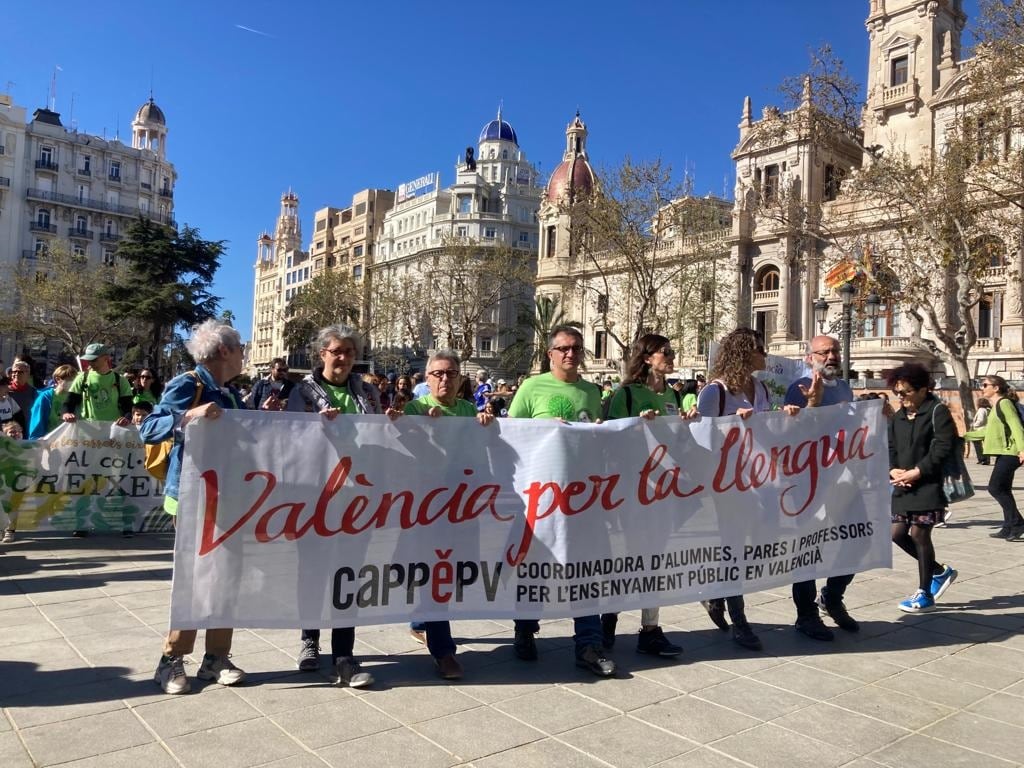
{"type": "Point", "coordinates": [925, 442]}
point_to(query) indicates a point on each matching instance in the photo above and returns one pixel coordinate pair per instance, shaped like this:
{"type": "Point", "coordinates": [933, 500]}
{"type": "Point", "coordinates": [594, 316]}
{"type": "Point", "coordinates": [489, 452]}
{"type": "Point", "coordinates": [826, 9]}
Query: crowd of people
{"type": "Point", "coordinates": [922, 436]}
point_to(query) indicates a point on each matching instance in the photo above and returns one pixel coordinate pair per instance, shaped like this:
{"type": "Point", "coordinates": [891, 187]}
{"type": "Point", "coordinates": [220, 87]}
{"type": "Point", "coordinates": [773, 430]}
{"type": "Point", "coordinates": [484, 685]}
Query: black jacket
{"type": "Point", "coordinates": [925, 442]}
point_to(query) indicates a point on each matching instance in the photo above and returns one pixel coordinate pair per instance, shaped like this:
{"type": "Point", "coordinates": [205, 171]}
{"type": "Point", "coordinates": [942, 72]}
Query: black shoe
{"type": "Point", "coordinates": [744, 636]}
{"type": "Point", "coordinates": [608, 623]}
{"type": "Point", "coordinates": [813, 627]}
{"type": "Point", "coordinates": [839, 615]}
{"type": "Point", "coordinates": [80, 534]}
{"type": "Point", "coordinates": [1002, 533]}
{"type": "Point", "coordinates": [525, 646]}
{"type": "Point", "coordinates": [592, 657]}
{"type": "Point", "coordinates": [716, 612]}
{"type": "Point", "coordinates": [654, 643]}
{"type": "Point", "coordinates": [1016, 533]}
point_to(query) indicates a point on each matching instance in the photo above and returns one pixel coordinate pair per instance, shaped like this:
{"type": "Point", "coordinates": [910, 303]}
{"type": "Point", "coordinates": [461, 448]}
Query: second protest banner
{"type": "Point", "coordinates": [291, 520]}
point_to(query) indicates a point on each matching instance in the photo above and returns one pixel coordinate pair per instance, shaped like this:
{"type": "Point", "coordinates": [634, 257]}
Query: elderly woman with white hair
{"type": "Point", "coordinates": [201, 393]}
{"type": "Point", "coordinates": [332, 391]}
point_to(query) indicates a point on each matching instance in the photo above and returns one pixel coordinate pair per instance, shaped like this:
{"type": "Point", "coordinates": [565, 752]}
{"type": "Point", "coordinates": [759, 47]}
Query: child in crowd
{"type": "Point", "coordinates": [140, 410]}
{"type": "Point", "coordinates": [9, 408]}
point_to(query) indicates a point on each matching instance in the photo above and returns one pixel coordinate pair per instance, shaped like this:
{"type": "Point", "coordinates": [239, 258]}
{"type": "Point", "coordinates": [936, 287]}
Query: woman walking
{"type": "Point", "coordinates": [1003, 439]}
{"type": "Point", "coordinates": [978, 424]}
{"type": "Point", "coordinates": [922, 436]}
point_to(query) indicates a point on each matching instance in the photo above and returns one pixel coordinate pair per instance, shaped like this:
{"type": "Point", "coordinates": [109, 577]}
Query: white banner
{"type": "Point", "coordinates": [290, 520]}
{"type": "Point", "coordinates": [82, 476]}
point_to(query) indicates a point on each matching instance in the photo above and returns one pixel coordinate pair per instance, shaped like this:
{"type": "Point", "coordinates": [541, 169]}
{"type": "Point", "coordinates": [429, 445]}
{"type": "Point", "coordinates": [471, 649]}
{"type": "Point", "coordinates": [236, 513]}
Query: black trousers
{"type": "Point", "coordinates": [343, 640]}
{"type": "Point", "coordinates": [1000, 485]}
{"type": "Point", "coordinates": [805, 592]}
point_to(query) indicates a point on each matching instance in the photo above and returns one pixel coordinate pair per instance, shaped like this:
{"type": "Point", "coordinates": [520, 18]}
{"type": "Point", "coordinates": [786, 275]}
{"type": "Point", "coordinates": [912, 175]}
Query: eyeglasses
{"type": "Point", "coordinates": [19, 372]}
{"type": "Point", "coordinates": [667, 352]}
{"type": "Point", "coordinates": [987, 384]}
{"type": "Point", "coordinates": [339, 351]}
{"type": "Point", "coordinates": [144, 376]}
{"type": "Point", "coordinates": [451, 373]}
{"type": "Point", "coordinates": [565, 349]}
{"type": "Point", "coordinates": [903, 392]}
{"type": "Point", "coordinates": [825, 352]}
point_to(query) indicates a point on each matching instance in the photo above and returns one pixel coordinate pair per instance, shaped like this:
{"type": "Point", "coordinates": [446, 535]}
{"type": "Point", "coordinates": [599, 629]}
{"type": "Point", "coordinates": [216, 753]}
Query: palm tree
{"type": "Point", "coordinates": [536, 324]}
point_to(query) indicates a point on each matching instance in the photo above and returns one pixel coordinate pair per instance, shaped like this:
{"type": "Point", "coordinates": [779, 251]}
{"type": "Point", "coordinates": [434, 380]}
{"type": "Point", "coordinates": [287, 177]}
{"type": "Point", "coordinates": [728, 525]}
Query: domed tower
{"type": "Point", "coordinates": [499, 158]}
{"type": "Point", "coordinates": [149, 129]}
{"type": "Point", "coordinates": [572, 178]}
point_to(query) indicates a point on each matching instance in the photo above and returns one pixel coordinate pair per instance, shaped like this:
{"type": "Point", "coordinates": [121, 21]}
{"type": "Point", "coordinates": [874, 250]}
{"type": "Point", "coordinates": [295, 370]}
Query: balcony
{"type": "Point", "coordinates": [109, 237]}
{"type": "Point", "coordinates": [32, 255]}
{"type": "Point", "coordinates": [987, 345]}
{"type": "Point", "coordinates": [46, 165]}
{"type": "Point", "coordinates": [114, 178]}
{"type": "Point", "coordinates": [995, 273]}
{"type": "Point", "coordinates": [4, 181]}
{"type": "Point", "coordinates": [38, 226]}
{"type": "Point", "coordinates": [166, 193]}
{"type": "Point", "coordinates": [146, 185]}
{"type": "Point", "coordinates": [83, 172]}
{"type": "Point", "coordinates": [765, 296]}
{"type": "Point", "coordinates": [80, 234]}
{"type": "Point", "coordinates": [98, 205]}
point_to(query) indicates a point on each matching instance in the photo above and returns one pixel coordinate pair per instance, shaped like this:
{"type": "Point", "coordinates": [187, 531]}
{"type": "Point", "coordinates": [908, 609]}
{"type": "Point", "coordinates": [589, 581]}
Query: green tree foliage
{"type": "Point", "coordinates": [330, 297]}
{"type": "Point", "coordinates": [168, 287]}
{"type": "Point", "coordinates": [535, 325]}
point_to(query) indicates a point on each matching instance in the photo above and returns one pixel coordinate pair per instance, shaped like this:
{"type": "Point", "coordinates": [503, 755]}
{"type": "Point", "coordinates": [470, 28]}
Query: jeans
{"type": "Point", "coordinates": [1000, 485]}
{"type": "Point", "coordinates": [804, 593]}
{"type": "Point", "coordinates": [343, 640]}
{"type": "Point", "coordinates": [439, 637]}
{"type": "Point", "coordinates": [587, 630]}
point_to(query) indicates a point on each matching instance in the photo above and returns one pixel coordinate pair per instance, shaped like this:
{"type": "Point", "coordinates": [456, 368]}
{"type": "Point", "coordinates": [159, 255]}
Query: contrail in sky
{"type": "Point", "coordinates": [254, 31]}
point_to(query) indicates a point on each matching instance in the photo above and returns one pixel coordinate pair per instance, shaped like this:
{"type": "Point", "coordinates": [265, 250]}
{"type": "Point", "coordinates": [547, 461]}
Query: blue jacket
{"type": "Point", "coordinates": [39, 421]}
{"type": "Point", "coordinates": [165, 419]}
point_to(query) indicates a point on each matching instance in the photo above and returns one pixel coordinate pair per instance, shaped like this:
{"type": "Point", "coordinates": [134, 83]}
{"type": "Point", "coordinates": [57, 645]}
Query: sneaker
{"type": "Point", "coordinates": [744, 636]}
{"type": "Point", "coordinates": [814, 628]}
{"type": "Point", "coordinates": [716, 612]}
{"type": "Point", "coordinates": [448, 667]}
{"type": "Point", "coordinates": [947, 515]}
{"type": "Point", "coordinates": [838, 614]}
{"type": "Point", "coordinates": [220, 670]}
{"type": "Point", "coordinates": [418, 635]}
{"type": "Point", "coordinates": [920, 602]}
{"type": "Point", "coordinates": [592, 657]}
{"type": "Point", "coordinates": [8, 536]}
{"type": "Point", "coordinates": [654, 643]}
{"type": "Point", "coordinates": [941, 582]}
{"type": "Point", "coordinates": [525, 645]}
{"type": "Point", "coordinates": [170, 675]}
{"type": "Point", "coordinates": [350, 674]}
{"type": "Point", "coordinates": [1002, 533]}
{"type": "Point", "coordinates": [608, 624]}
{"type": "Point", "coordinates": [309, 656]}
{"type": "Point", "coordinates": [1016, 533]}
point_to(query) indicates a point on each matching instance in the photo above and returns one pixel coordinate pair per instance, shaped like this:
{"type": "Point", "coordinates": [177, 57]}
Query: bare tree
{"type": "Point", "coordinates": [644, 240]}
{"type": "Point", "coordinates": [330, 297]}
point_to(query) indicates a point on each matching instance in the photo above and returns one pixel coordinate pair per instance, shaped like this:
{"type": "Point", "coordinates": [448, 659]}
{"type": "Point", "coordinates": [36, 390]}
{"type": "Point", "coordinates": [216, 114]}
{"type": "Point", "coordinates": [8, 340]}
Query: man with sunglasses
{"type": "Point", "coordinates": [271, 393]}
{"type": "Point", "coordinates": [562, 394]}
{"type": "Point", "coordinates": [825, 386]}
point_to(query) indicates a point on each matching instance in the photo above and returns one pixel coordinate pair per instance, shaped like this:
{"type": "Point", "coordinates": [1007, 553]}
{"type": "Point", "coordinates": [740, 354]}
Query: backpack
{"type": "Point", "coordinates": [158, 455]}
{"type": "Point", "coordinates": [87, 398]}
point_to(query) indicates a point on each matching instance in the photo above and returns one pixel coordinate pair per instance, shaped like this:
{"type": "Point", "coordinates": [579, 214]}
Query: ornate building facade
{"type": "Point", "coordinates": [916, 94]}
{"type": "Point", "coordinates": [57, 184]}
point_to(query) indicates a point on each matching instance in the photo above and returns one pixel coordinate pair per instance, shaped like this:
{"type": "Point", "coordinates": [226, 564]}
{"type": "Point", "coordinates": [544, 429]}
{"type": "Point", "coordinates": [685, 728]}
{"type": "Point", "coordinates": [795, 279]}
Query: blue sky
{"type": "Point", "coordinates": [327, 98]}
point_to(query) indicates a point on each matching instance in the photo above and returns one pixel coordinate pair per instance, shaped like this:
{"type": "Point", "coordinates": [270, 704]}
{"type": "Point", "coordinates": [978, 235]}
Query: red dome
{"type": "Point", "coordinates": [574, 175]}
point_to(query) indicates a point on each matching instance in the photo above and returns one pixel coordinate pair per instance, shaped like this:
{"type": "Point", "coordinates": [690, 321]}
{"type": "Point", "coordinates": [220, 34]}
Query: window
{"type": "Point", "coordinates": [550, 250]}
{"type": "Point", "coordinates": [108, 228]}
{"type": "Point", "coordinates": [115, 170]}
{"type": "Point", "coordinates": [602, 303]}
{"type": "Point", "coordinates": [43, 217]}
{"type": "Point", "coordinates": [770, 189]}
{"type": "Point", "coordinates": [46, 155]}
{"type": "Point", "coordinates": [360, 209]}
{"type": "Point", "coordinates": [524, 237]}
{"type": "Point", "coordinates": [833, 178]}
{"type": "Point", "coordinates": [80, 224]}
{"type": "Point", "coordinates": [86, 165]}
{"type": "Point", "coordinates": [764, 322]}
{"type": "Point", "coordinates": [320, 245]}
{"type": "Point", "coordinates": [490, 233]}
{"type": "Point", "coordinates": [486, 342]}
{"type": "Point", "coordinates": [463, 232]}
{"type": "Point", "coordinates": [358, 231]}
{"type": "Point", "coordinates": [465, 203]}
{"type": "Point", "coordinates": [357, 272]}
{"type": "Point", "coordinates": [601, 345]}
{"type": "Point", "coordinates": [768, 280]}
{"type": "Point", "coordinates": [78, 250]}
{"type": "Point", "coordinates": [899, 71]}
{"type": "Point", "coordinates": [305, 274]}
{"type": "Point", "coordinates": [357, 251]}
{"type": "Point", "coordinates": [83, 193]}
{"type": "Point", "coordinates": [108, 257]}
{"type": "Point", "coordinates": [321, 225]}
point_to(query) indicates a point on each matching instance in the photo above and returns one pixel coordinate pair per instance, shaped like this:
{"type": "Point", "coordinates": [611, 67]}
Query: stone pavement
{"type": "Point", "coordinates": [81, 624]}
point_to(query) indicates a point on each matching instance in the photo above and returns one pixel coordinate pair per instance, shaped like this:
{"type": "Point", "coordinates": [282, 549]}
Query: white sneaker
{"type": "Point", "coordinates": [220, 670]}
{"type": "Point", "coordinates": [8, 536]}
{"type": "Point", "coordinates": [170, 675]}
{"type": "Point", "coordinates": [350, 674]}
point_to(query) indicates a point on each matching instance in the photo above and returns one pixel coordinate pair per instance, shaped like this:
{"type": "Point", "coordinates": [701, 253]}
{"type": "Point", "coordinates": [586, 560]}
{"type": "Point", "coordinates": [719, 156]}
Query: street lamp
{"type": "Point", "coordinates": [871, 306]}
{"type": "Point", "coordinates": [847, 291]}
{"type": "Point", "coordinates": [821, 313]}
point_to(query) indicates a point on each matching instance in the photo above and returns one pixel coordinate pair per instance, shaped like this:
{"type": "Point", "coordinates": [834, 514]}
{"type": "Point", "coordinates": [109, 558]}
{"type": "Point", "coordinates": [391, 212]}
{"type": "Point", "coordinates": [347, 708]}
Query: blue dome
{"type": "Point", "coordinates": [499, 130]}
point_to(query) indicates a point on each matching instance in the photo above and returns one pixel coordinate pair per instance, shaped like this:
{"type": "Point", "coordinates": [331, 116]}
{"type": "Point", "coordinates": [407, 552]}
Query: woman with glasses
{"type": "Point", "coordinates": [733, 391]}
{"type": "Point", "coordinates": [645, 392]}
{"type": "Point", "coordinates": [332, 391]}
{"type": "Point", "coordinates": [921, 437]}
{"type": "Point", "coordinates": [147, 388]}
{"type": "Point", "coordinates": [1003, 440]}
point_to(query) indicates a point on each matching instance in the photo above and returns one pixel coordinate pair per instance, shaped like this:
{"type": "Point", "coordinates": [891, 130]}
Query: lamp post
{"type": "Point", "coordinates": [847, 291]}
{"type": "Point", "coordinates": [821, 313]}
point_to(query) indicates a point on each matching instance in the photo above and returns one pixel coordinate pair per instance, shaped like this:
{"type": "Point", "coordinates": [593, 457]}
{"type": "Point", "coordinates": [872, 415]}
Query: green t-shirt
{"type": "Point", "coordinates": [422, 405]}
{"type": "Point", "coordinates": [145, 397]}
{"type": "Point", "coordinates": [643, 398]}
{"type": "Point", "coordinates": [545, 397]}
{"type": "Point", "coordinates": [56, 409]}
{"type": "Point", "coordinates": [689, 402]}
{"type": "Point", "coordinates": [341, 398]}
{"type": "Point", "coordinates": [100, 393]}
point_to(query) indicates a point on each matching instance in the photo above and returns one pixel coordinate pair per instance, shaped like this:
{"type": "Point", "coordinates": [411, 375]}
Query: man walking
{"type": "Point", "coordinates": [562, 394]}
{"type": "Point", "coordinates": [824, 387]}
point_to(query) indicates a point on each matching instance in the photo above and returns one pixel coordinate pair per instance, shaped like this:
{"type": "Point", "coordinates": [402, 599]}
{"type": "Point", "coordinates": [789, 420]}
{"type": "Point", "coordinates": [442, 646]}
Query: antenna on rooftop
{"type": "Point", "coordinates": [53, 87]}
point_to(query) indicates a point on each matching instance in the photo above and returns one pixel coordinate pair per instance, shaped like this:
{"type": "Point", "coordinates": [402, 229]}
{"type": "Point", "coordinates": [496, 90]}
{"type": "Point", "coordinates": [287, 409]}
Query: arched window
{"type": "Point", "coordinates": [767, 280]}
{"type": "Point", "coordinates": [886, 285]}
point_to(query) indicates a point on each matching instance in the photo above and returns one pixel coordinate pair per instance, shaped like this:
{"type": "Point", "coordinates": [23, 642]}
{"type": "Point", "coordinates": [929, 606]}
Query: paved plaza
{"type": "Point", "coordinates": [82, 623]}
